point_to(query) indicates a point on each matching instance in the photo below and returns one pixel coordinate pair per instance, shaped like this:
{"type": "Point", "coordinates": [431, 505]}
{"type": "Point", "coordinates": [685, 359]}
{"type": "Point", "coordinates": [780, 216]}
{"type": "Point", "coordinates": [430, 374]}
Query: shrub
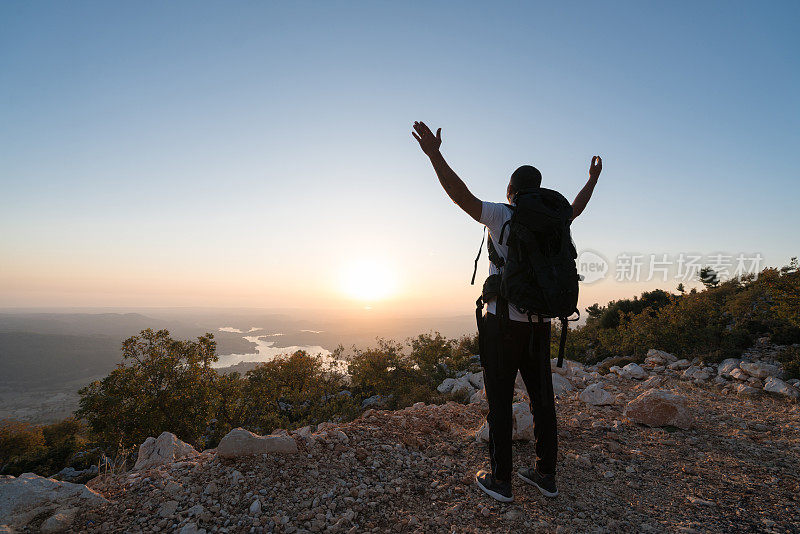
{"type": "Point", "coordinates": [719, 322]}
{"type": "Point", "coordinates": [161, 385]}
{"type": "Point", "coordinates": [790, 358]}
{"type": "Point", "coordinates": [44, 449]}
{"type": "Point", "coordinates": [620, 361]}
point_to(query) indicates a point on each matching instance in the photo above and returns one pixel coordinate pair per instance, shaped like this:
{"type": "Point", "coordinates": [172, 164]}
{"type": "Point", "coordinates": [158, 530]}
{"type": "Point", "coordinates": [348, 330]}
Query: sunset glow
{"type": "Point", "coordinates": [369, 280]}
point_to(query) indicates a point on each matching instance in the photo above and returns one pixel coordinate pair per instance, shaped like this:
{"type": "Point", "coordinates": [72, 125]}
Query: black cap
{"type": "Point", "coordinates": [526, 177]}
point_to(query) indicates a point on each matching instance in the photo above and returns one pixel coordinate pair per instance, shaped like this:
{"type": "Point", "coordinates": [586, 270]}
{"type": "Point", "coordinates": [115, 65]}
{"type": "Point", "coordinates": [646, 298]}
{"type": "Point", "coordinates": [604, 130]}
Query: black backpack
{"type": "Point", "coordinates": [539, 276]}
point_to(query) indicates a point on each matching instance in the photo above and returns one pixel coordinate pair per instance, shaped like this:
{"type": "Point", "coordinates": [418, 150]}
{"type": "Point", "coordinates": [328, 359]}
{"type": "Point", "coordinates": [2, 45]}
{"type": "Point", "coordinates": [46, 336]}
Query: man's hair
{"type": "Point", "coordinates": [526, 177]}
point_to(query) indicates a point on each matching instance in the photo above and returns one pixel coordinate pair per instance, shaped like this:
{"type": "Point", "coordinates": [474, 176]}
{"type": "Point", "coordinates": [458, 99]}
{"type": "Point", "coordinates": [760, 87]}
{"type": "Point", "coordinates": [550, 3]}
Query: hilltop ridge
{"type": "Point", "coordinates": [733, 469]}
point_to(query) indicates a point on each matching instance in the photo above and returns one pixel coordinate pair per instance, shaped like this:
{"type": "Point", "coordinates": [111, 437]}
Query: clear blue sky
{"type": "Point", "coordinates": [246, 153]}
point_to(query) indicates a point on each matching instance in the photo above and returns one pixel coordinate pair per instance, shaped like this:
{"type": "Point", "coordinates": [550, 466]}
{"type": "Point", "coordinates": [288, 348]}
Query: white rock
{"type": "Point", "coordinates": [679, 365]}
{"type": "Point", "coordinates": [568, 368]}
{"type": "Point", "coordinates": [255, 508]}
{"type": "Point", "coordinates": [561, 385]}
{"type": "Point", "coordinates": [744, 389]}
{"type": "Point", "coordinates": [650, 383]}
{"type": "Point", "coordinates": [738, 374]}
{"type": "Point", "coordinates": [596, 395]}
{"type": "Point", "coordinates": [60, 521]}
{"type": "Point", "coordinates": [483, 433]}
{"type": "Point", "coordinates": [522, 424]}
{"type": "Point", "coordinates": [446, 386]}
{"type": "Point", "coordinates": [476, 379]}
{"type": "Point", "coordinates": [776, 385]}
{"type": "Point", "coordinates": [519, 384]}
{"type": "Point", "coordinates": [754, 382]}
{"type": "Point", "coordinates": [523, 421]}
{"type": "Point", "coordinates": [27, 496]}
{"type": "Point", "coordinates": [696, 373]}
{"type": "Point", "coordinates": [614, 369]}
{"type": "Point", "coordinates": [665, 357]}
{"type": "Point", "coordinates": [241, 442]}
{"type": "Point", "coordinates": [633, 370]}
{"type": "Point", "coordinates": [760, 369]}
{"type": "Point", "coordinates": [463, 387]}
{"type": "Point", "coordinates": [657, 407]}
{"type": "Point", "coordinates": [165, 449]}
{"type": "Point", "coordinates": [728, 365]}
{"type": "Point", "coordinates": [720, 381]}
{"type": "Point", "coordinates": [479, 397]}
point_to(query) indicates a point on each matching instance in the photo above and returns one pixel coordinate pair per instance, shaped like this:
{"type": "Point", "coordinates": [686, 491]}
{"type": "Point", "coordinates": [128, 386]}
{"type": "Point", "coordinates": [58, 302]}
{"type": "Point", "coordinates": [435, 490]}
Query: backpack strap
{"type": "Point", "coordinates": [564, 330]}
{"type": "Point", "coordinates": [505, 224]}
{"type": "Point", "coordinates": [503, 231]}
{"type": "Point", "coordinates": [480, 249]}
{"type": "Point", "coordinates": [494, 257]}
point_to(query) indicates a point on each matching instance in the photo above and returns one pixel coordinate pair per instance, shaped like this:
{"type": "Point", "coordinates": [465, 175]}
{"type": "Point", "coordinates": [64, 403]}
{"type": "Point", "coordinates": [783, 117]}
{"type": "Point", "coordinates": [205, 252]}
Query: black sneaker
{"type": "Point", "coordinates": [500, 491]}
{"type": "Point", "coordinates": [544, 483]}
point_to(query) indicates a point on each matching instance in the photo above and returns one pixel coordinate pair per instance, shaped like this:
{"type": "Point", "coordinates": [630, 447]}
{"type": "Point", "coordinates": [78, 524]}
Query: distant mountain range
{"type": "Point", "coordinates": [55, 350]}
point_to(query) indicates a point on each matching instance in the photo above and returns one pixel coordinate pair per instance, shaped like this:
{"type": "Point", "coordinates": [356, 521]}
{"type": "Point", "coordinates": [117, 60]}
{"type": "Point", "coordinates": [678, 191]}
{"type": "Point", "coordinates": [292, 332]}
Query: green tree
{"type": "Point", "coordinates": [161, 384]}
{"type": "Point", "coordinates": [708, 277]}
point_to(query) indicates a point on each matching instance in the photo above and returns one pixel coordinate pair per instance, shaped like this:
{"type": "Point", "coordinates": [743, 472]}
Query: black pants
{"type": "Point", "coordinates": [500, 366]}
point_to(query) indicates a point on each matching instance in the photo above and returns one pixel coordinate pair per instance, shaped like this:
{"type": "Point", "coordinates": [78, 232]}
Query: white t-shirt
{"type": "Point", "coordinates": [494, 215]}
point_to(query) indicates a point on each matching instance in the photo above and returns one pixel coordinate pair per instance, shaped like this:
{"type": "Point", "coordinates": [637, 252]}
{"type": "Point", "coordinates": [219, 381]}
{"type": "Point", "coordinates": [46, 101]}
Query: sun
{"type": "Point", "coordinates": [368, 280]}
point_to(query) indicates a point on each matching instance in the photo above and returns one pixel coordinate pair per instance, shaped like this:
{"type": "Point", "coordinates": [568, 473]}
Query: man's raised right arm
{"type": "Point", "coordinates": [455, 188]}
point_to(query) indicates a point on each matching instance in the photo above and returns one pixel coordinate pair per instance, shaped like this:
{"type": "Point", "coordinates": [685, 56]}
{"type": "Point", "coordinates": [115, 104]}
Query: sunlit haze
{"type": "Point", "coordinates": [260, 155]}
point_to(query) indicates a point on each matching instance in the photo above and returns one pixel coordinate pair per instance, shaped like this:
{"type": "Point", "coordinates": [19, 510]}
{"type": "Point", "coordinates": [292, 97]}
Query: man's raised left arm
{"type": "Point", "coordinates": [579, 204]}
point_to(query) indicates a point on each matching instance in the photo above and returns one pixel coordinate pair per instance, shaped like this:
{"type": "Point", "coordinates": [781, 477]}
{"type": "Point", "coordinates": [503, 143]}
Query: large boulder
{"type": "Point", "coordinates": [70, 474]}
{"type": "Point", "coordinates": [28, 496]}
{"type": "Point", "coordinates": [776, 385]}
{"type": "Point", "coordinates": [760, 369]}
{"type": "Point", "coordinates": [650, 383]}
{"type": "Point", "coordinates": [561, 385]}
{"type": "Point", "coordinates": [479, 397]}
{"type": "Point", "coordinates": [738, 374]}
{"type": "Point", "coordinates": [60, 521]}
{"type": "Point", "coordinates": [476, 379]}
{"type": "Point", "coordinates": [446, 386]}
{"type": "Point", "coordinates": [659, 357]}
{"type": "Point", "coordinates": [744, 389]}
{"type": "Point", "coordinates": [727, 365]}
{"type": "Point", "coordinates": [523, 421]}
{"type": "Point", "coordinates": [463, 387]}
{"type": "Point", "coordinates": [376, 401]}
{"type": "Point", "coordinates": [679, 365]}
{"type": "Point", "coordinates": [632, 370]}
{"type": "Point", "coordinates": [656, 407]}
{"type": "Point", "coordinates": [522, 428]}
{"type": "Point", "coordinates": [165, 449]}
{"type": "Point", "coordinates": [241, 442]}
{"type": "Point", "coordinates": [568, 367]}
{"type": "Point", "coordinates": [696, 372]}
{"type": "Point", "coordinates": [596, 395]}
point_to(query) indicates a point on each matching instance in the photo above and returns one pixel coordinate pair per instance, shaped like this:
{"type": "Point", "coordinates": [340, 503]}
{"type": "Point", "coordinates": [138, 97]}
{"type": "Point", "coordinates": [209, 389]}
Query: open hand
{"type": "Point", "coordinates": [428, 142]}
{"type": "Point", "coordinates": [595, 167]}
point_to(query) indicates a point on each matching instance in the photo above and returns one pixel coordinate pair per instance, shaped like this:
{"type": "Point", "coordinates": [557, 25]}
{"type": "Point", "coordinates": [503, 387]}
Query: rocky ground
{"type": "Point", "coordinates": [734, 469]}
